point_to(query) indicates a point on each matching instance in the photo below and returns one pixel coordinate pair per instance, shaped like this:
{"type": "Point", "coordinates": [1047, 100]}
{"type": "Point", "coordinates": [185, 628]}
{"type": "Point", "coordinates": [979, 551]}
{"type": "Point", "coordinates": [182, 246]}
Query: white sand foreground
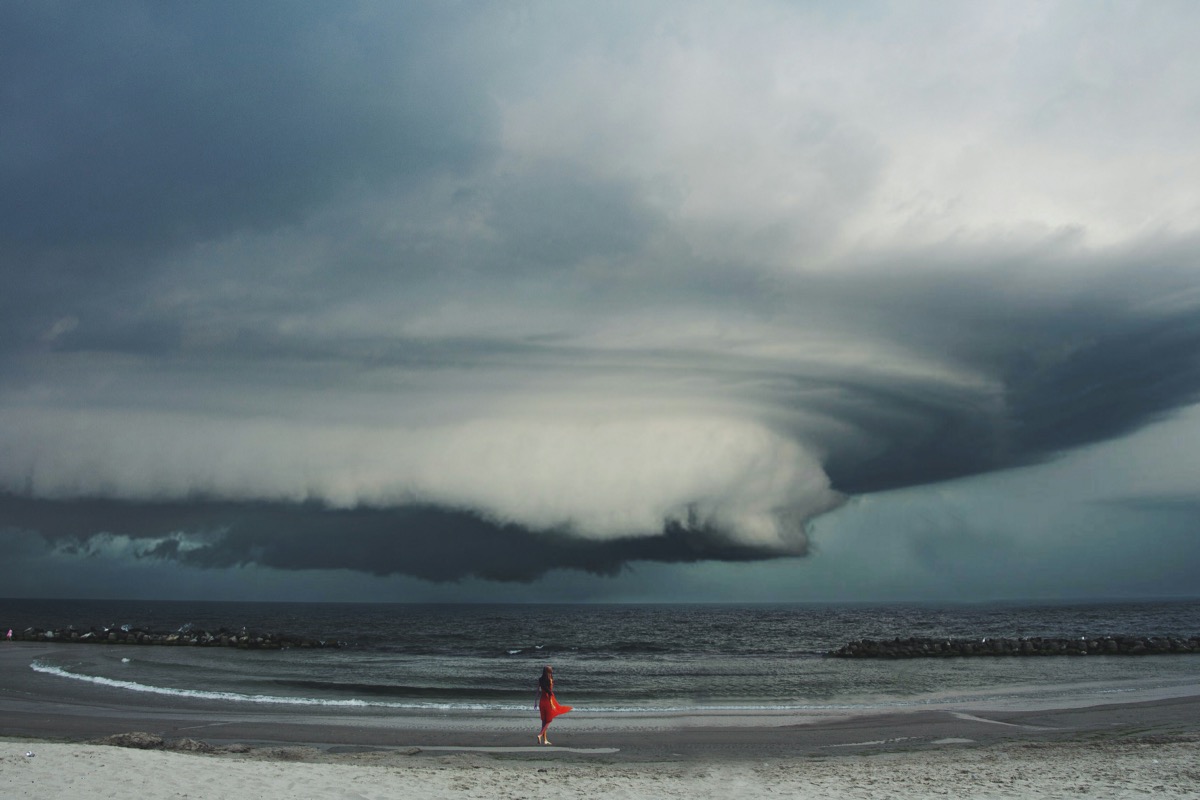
{"type": "Point", "coordinates": [1163, 766]}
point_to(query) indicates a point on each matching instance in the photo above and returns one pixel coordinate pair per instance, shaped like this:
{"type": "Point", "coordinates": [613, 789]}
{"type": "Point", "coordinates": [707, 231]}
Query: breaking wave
{"type": "Point", "coordinates": [238, 697]}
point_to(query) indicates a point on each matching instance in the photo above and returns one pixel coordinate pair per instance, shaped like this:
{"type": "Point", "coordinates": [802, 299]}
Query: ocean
{"type": "Point", "coordinates": [608, 659]}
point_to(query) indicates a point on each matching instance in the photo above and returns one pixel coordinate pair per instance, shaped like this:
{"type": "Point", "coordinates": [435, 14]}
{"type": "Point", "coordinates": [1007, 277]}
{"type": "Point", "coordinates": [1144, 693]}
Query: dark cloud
{"type": "Point", "coordinates": [136, 122]}
{"type": "Point", "coordinates": [136, 129]}
{"type": "Point", "coordinates": [1020, 371]}
{"type": "Point", "coordinates": [909, 433]}
{"type": "Point", "coordinates": [428, 543]}
{"type": "Point", "coordinates": [1183, 506]}
{"type": "Point", "coordinates": [1123, 380]}
{"type": "Point", "coordinates": [341, 286]}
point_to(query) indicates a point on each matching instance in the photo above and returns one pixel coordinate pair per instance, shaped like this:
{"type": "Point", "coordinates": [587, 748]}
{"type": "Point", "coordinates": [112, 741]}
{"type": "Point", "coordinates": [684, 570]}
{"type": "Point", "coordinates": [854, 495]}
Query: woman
{"type": "Point", "coordinates": [546, 704]}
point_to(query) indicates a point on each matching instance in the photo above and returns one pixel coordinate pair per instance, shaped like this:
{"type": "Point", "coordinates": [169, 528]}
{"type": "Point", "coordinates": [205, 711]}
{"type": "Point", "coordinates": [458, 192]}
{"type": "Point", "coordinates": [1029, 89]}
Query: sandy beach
{"type": "Point", "coordinates": [65, 741]}
{"type": "Point", "coordinates": [1119, 767]}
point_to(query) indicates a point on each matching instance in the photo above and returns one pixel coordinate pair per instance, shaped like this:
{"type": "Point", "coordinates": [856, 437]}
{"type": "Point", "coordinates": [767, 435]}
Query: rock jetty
{"type": "Point", "coordinates": [183, 638]}
{"type": "Point", "coordinates": [954, 648]}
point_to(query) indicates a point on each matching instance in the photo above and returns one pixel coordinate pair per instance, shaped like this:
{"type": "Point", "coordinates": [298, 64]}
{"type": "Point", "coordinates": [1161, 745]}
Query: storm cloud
{"type": "Point", "coordinates": [428, 543]}
{"type": "Point", "coordinates": [491, 290]}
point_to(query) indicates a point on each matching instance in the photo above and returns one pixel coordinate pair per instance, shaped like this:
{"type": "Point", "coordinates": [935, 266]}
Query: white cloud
{"type": "Point", "coordinates": [595, 477]}
{"type": "Point", "coordinates": [793, 135]}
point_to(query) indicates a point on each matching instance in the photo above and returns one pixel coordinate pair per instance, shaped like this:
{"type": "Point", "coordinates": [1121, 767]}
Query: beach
{"type": "Point", "coordinates": [1138, 767]}
{"type": "Point", "coordinates": [61, 740]}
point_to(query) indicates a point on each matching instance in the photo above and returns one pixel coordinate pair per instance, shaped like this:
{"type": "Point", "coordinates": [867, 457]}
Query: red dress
{"type": "Point", "coordinates": [549, 707]}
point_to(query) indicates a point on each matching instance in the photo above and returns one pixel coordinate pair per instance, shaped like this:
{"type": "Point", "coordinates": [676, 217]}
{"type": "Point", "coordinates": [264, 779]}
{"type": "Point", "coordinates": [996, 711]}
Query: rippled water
{"type": "Point", "coordinates": [606, 658]}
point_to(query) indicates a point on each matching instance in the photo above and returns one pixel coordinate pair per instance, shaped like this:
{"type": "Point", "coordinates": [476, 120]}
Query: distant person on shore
{"type": "Point", "coordinates": [9, 637]}
{"type": "Point", "coordinates": [547, 705]}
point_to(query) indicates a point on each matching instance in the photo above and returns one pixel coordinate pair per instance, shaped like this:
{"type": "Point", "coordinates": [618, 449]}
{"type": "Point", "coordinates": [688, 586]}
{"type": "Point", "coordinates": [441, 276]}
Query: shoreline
{"type": "Point", "coordinates": [205, 750]}
{"type": "Point", "coordinates": [38, 706]}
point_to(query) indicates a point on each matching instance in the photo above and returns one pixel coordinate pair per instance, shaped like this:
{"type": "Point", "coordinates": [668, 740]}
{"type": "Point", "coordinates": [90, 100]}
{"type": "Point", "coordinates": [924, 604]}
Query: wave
{"type": "Point", "coordinates": [265, 699]}
{"type": "Point", "coordinates": [380, 689]}
{"type": "Point", "coordinates": [606, 704]}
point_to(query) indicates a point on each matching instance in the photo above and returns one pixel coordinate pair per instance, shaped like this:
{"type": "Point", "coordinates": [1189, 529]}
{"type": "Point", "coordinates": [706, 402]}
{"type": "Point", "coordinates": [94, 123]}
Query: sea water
{"type": "Point", "coordinates": [608, 659]}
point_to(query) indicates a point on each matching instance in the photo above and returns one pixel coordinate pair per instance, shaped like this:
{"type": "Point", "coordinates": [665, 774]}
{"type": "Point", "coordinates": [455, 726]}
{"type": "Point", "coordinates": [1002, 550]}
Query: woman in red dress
{"type": "Point", "coordinates": [546, 704]}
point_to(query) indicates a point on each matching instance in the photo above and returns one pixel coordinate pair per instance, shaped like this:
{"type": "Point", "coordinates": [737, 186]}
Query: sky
{"type": "Point", "coordinates": [600, 302]}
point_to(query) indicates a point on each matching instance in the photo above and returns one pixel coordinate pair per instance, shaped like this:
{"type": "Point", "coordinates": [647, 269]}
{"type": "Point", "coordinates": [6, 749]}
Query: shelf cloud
{"type": "Point", "coordinates": [493, 290]}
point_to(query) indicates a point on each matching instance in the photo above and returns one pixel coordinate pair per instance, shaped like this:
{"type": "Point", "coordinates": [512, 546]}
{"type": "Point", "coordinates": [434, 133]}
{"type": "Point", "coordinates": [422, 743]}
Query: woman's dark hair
{"type": "Point", "coordinates": [546, 682]}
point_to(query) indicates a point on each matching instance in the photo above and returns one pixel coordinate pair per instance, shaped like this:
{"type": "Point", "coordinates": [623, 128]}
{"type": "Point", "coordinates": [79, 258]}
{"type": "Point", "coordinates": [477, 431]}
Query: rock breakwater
{"type": "Point", "coordinates": [914, 647]}
{"type": "Point", "coordinates": [223, 637]}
